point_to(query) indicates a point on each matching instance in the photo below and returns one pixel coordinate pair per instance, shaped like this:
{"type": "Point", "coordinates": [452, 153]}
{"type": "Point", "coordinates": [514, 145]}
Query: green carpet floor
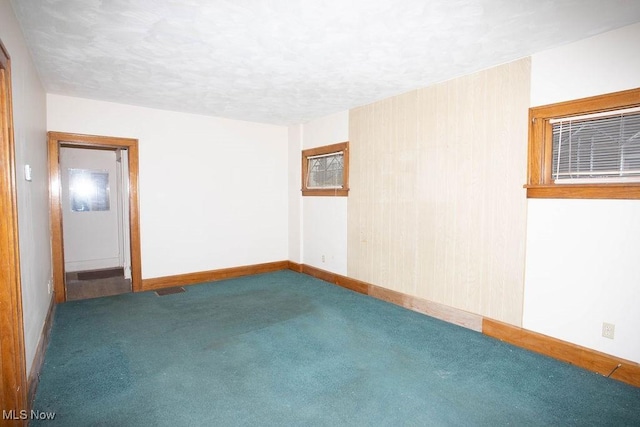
{"type": "Point", "coordinates": [287, 349]}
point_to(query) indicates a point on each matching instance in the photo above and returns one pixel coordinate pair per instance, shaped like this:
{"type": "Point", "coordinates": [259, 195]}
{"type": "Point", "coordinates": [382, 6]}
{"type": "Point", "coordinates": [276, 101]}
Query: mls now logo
{"type": "Point", "coordinates": [27, 415]}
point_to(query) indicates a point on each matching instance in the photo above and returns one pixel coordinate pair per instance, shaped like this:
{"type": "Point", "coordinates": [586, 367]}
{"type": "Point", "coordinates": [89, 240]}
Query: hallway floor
{"type": "Point", "coordinates": [96, 283]}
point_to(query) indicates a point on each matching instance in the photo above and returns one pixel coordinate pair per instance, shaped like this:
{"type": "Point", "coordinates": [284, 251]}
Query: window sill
{"type": "Point", "coordinates": [332, 192]}
{"type": "Point", "coordinates": [583, 191]}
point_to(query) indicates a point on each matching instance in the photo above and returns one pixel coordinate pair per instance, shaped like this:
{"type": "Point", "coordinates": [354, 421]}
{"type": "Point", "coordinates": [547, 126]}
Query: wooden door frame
{"type": "Point", "coordinates": [58, 139]}
{"type": "Point", "coordinates": [13, 377]}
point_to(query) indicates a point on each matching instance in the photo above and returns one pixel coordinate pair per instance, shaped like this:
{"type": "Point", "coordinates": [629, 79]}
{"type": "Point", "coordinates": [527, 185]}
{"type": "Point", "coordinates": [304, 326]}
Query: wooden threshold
{"type": "Point", "coordinates": [211, 275]}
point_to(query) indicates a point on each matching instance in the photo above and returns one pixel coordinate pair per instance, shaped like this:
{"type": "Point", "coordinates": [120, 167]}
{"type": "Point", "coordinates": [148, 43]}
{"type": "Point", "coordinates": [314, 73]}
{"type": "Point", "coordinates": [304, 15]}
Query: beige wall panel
{"type": "Point", "coordinates": [436, 208]}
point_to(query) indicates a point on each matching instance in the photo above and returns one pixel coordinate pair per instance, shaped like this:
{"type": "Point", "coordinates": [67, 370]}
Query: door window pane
{"type": "Point", "coordinates": [88, 190]}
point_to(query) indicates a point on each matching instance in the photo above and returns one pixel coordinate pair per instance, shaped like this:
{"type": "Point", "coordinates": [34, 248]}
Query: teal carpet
{"type": "Point", "coordinates": [287, 349]}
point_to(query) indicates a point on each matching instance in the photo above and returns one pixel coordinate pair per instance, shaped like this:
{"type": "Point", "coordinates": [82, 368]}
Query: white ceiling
{"type": "Point", "coordinates": [288, 61]}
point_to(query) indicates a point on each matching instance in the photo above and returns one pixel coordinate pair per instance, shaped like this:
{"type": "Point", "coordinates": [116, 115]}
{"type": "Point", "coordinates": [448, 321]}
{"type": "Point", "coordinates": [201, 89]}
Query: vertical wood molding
{"type": "Point", "coordinates": [91, 142]}
{"type": "Point", "coordinates": [13, 388]}
{"type": "Point", "coordinates": [55, 213]}
{"type": "Point", "coordinates": [134, 219]}
{"type": "Point", "coordinates": [436, 208]}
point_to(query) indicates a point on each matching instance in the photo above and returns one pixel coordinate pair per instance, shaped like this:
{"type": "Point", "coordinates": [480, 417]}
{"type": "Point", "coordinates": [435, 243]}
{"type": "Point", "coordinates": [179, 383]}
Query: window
{"type": "Point", "coordinates": [88, 190]}
{"type": "Point", "coordinates": [325, 170]}
{"type": "Point", "coordinates": [588, 148]}
{"type": "Point", "coordinates": [597, 148]}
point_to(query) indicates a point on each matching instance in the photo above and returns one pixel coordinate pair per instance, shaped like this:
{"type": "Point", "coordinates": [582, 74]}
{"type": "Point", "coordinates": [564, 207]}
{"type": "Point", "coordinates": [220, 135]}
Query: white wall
{"type": "Point", "coordinates": [606, 63]}
{"type": "Point", "coordinates": [92, 239]}
{"type": "Point", "coordinates": [583, 255]}
{"type": "Point", "coordinates": [295, 198]}
{"type": "Point", "coordinates": [324, 219]}
{"type": "Point", "coordinates": [29, 119]}
{"type": "Point", "coordinates": [213, 192]}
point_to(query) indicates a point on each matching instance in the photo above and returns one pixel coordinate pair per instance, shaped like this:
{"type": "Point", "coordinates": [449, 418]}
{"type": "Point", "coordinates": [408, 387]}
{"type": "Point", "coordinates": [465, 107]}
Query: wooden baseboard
{"type": "Point", "coordinates": [601, 363]}
{"type": "Point", "coordinates": [439, 311]}
{"type": "Point", "coordinates": [41, 349]}
{"type": "Point", "coordinates": [604, 364]}
{"type": "Point", "coordinates": [420, 305]}
{"type": "Point", "coordinates": [212, 275]}
{"type": "Point", "coordinates": [294, 266]}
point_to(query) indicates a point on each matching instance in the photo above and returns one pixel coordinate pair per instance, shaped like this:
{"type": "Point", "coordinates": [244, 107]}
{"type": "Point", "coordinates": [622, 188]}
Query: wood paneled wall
{"type": "Point", "coordinates": [437, 209]}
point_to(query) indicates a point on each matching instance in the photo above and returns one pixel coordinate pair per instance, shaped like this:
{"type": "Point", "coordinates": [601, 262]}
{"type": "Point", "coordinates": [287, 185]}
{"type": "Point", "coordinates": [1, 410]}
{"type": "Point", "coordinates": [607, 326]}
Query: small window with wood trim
{"type": "Point", "coordinates": [325, 170]}
{"type": "Point", "coordinates": [587, 149]}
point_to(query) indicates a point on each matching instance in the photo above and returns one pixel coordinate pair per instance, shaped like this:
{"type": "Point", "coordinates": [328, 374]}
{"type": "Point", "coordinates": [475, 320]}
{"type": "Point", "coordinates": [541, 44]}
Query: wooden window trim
{"type": "Point", "coordinates": [539, 181]}
{"type": "Point", "coordinates": [326, 149]}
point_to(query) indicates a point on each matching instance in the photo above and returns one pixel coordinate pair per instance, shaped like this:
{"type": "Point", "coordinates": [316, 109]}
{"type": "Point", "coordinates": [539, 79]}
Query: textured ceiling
{"type": "Point", "coordinates": [288, 61]}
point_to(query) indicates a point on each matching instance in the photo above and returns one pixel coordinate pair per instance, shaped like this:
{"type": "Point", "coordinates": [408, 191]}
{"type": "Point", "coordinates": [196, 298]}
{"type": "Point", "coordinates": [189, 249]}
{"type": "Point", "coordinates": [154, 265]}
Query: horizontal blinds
{"type": "Point", "coordinates": [320, 156]}
{"type": "Point", "coordinates": [325, 171]}
{"type": "Point", "coordinates": [597, 146]}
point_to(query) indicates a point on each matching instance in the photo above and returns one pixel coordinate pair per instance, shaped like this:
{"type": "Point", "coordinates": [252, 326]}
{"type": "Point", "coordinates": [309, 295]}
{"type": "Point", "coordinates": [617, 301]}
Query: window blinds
{"type": "Point", "coordinates": [602, 147]}
{"type": "Point", "coordinates": [326, 170]}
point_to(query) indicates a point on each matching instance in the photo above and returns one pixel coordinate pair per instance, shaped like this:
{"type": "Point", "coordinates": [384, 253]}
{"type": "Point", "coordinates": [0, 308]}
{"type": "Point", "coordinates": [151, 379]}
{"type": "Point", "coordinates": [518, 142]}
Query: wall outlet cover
{"type": "Point", "coordinates": [608, 330]}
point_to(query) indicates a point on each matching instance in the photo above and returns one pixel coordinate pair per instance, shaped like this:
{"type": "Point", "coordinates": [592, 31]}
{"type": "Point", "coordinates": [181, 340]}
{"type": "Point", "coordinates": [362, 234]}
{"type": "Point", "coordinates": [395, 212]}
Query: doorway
{"type": "Point", "coordinates": [95, 227]}
{"type": "Point", "coordinates": [95, 221]}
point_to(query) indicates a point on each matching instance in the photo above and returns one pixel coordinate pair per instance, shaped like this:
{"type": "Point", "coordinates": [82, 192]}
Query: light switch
{"type": "Point", "coordinates": [27, 172]}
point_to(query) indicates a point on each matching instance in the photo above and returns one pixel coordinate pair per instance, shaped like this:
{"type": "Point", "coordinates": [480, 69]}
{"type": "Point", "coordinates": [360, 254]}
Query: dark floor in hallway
{"type": "Point", "coordinates": [96, 283]}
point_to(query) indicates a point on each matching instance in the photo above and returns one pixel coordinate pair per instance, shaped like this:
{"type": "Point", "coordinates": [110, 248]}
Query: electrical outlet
{"type": "Point", "coordinates": [608, 330]}
{"type": "Point", "coordinates": [323, 259]}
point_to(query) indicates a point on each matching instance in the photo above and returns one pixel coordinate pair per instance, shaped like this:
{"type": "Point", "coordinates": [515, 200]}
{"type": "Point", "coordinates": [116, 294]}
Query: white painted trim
{"type": "Point", "coordinates": [91, 264]}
